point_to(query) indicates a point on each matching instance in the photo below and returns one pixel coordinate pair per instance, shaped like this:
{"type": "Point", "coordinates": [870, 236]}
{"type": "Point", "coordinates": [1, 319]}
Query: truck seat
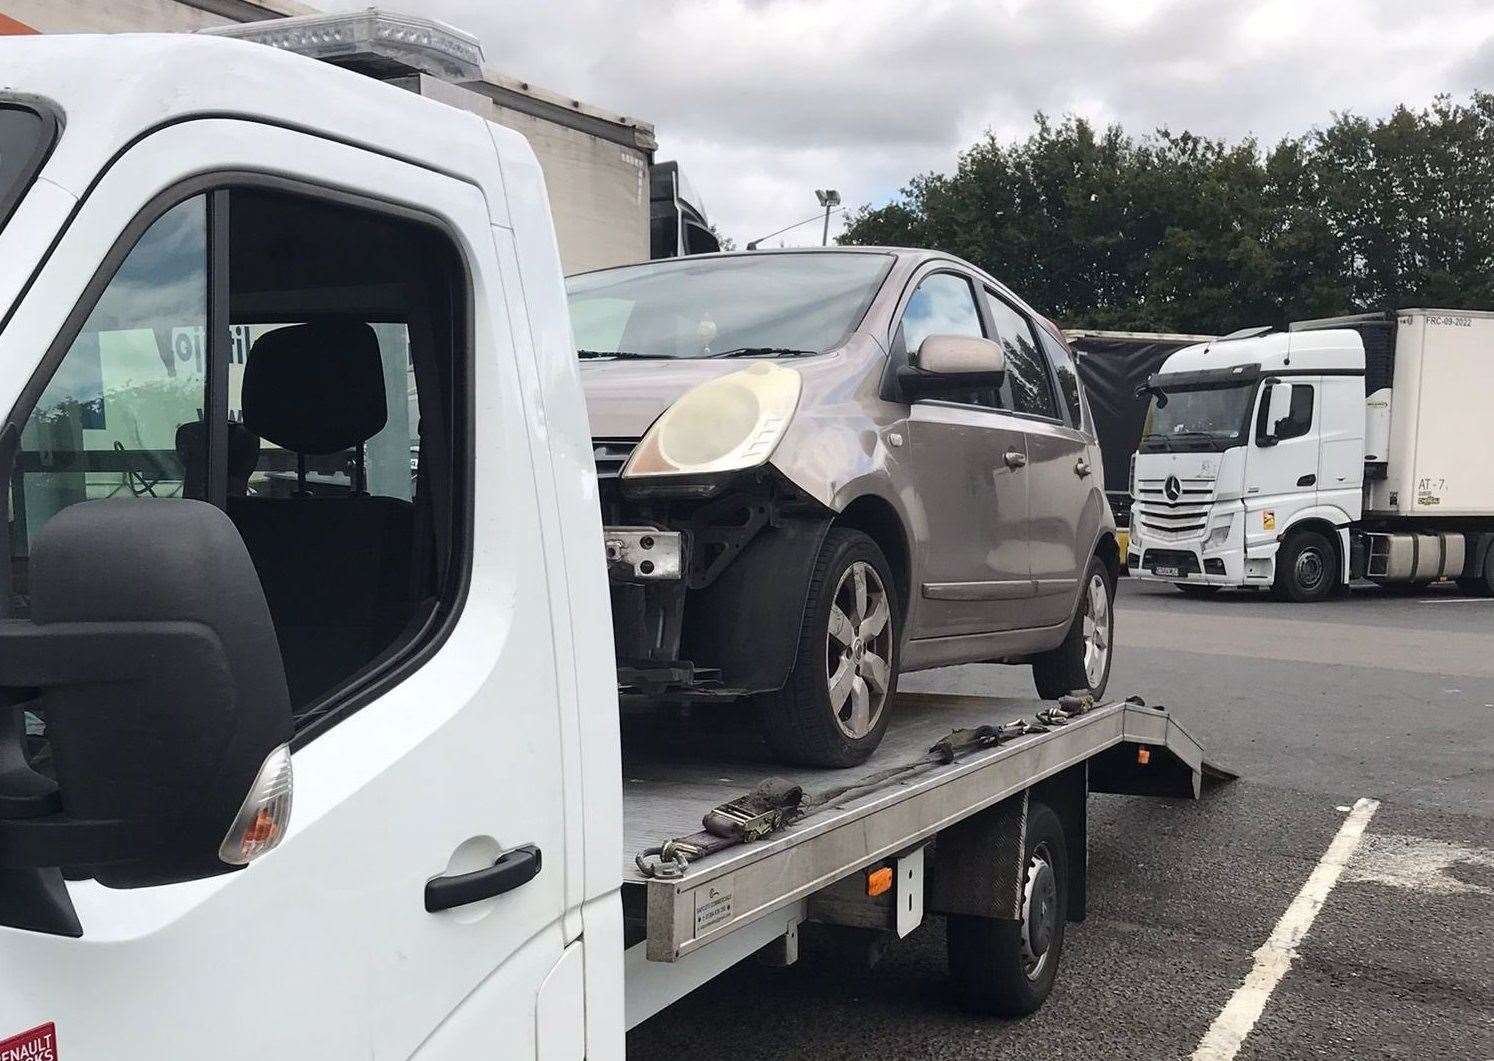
{"type": "Point", "coordinates": [336, 570]}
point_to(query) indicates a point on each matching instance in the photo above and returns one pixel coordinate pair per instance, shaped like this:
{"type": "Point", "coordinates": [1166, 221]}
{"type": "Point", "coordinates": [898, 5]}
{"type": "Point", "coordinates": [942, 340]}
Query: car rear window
{"type": "Point", "coordinates": [26, 136]}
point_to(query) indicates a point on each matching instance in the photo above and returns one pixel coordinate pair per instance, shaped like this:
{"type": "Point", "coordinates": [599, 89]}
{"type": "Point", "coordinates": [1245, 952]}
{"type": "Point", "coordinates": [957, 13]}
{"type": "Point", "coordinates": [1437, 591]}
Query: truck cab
{"type": "Point", "coordinates": [1250, 468]}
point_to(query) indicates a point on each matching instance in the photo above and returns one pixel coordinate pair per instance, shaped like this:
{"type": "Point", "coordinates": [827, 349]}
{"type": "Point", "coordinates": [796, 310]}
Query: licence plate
{"type": "Point", "coordinates": [1170, 572]}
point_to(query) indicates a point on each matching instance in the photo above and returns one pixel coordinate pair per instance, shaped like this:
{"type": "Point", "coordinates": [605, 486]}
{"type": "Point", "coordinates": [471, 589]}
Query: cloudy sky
{"type": "Point", "coordinates": [763, 101]}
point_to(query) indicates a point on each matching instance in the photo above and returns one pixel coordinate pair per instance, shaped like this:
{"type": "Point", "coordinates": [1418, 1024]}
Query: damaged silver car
{"type": "Point", "coordinates": [822, 468]}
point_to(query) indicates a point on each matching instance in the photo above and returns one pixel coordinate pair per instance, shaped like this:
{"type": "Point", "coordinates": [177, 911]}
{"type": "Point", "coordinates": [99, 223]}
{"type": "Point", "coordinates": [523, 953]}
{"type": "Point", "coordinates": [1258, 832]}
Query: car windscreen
{"type": "Point", "coordinates": [26, 135]}
{"type": "Point", "coordinates": [743, 305]}
{"type": "Point", "coordinates": [1203, 419]}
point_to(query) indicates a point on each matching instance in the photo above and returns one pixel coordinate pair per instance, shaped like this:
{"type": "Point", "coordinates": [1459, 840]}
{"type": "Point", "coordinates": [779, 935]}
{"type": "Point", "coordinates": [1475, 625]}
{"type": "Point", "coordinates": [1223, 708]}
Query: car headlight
{"type": "Point", "coordinates": [728, 424]}
{"type": "Point", "coordinates": [1219, 534]}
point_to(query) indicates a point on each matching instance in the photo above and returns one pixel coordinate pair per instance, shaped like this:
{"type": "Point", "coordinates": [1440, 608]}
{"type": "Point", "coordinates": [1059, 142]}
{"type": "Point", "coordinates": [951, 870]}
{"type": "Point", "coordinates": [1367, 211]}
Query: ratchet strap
{"type": "Point", "coordinates": [776, 803]}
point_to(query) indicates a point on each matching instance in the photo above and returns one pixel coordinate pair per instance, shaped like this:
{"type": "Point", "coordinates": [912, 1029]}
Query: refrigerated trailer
{"type": "Point", "coordinates": [1341, 448]}
{"type": "Point", "coordinates": [340, 771]}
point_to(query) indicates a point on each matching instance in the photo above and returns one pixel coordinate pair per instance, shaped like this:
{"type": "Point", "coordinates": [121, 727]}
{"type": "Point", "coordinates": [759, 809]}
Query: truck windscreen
{"type": "Point", "coordinates": [26, 136]}
{"type": "Point", "coordinates": [1216, 418]}
{"type": "Point", "coordinates": [741, 305]}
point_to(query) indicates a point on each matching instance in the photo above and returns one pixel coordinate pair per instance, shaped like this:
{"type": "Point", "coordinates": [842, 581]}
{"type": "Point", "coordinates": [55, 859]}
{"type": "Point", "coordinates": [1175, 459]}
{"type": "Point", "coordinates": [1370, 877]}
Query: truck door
{"type": "Point", "coordinates": [1284, 463]}
{"type": "Point", "coordinates": [323, 358]}
{"type": "Point", "coordinates": [970, 457]}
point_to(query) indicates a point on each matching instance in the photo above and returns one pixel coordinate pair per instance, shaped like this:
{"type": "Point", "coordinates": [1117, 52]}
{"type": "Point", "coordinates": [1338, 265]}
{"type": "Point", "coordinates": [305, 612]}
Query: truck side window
{"type": "Point", "coordinates": [1298, 421]}
{"type": "Point", "coordinates": [342, 449]}
{"type": "Point", "coordinates": [1027, 387]}
{"type": "Point", "coordinates": [130, 384]}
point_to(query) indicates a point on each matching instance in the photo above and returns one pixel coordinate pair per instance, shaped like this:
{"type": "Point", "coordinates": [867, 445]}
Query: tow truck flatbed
{"type": "Point", "coordinates": [728, 904]}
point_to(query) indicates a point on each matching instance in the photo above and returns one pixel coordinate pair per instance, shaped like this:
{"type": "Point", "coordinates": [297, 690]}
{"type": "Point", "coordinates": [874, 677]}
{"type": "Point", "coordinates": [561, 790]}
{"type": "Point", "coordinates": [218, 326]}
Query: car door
{"type": "Point", "coordinates": [441, 758]}
{"type": "Point", "coordinates": [1063, 490]}
{"type": "Point", "coordinates": [969, 480]}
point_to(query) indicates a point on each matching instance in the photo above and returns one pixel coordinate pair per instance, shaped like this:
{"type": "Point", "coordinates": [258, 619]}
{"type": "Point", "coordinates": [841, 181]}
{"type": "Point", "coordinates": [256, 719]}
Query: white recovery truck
{"type": "Point", "coordinates": [1343, 448]}
{"type": "Point", "coordinates": [236, 285]}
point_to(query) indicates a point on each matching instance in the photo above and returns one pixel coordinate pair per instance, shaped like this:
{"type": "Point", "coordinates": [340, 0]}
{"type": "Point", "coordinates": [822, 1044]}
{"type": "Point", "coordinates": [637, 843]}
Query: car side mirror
{"type": "Point", "coordinates": [948, 362]}
{"type": "Point", "coordinates": [152, 665]}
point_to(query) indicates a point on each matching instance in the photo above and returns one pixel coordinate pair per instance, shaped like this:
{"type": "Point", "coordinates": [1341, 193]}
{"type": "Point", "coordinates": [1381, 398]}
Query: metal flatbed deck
{"type": "Point", "coordinates": [672, 774]}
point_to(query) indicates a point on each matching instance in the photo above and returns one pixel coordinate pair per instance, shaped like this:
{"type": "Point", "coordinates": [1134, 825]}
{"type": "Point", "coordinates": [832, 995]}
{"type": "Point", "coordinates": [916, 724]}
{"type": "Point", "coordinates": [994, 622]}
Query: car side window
{"type": "Point", "coordinates": [131, 381]}
{"type": "Point", "coordinates": [1027, 387]}
{"type": "Point", "coordinates": [944, 304]}
{"type": "Point", "coordinates": [1064, 367]}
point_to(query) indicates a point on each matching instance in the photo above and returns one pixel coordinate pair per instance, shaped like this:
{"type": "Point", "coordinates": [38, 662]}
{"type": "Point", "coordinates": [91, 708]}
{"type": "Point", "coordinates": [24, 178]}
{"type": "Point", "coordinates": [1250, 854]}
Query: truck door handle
{"type": "Point", "coordinates": [1015, 458]}
{"type": "Point", "coordinates": [1081, 468]}
{"type": "Point", "coordinates": [513, 868]}
{"type": "Point", "coordinates": [1308, 480]}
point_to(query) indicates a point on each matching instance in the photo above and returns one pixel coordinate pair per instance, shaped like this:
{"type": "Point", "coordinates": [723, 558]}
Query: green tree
{"type": "Point", "coordinates": [1176, 232]}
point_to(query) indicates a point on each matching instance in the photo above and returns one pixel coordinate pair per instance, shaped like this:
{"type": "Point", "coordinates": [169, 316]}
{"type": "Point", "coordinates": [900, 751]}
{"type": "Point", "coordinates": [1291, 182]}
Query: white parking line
{"type": "Point", "coordinates": [1457, 600]}
{"type": "Point", "coordinates": [1274, 958]}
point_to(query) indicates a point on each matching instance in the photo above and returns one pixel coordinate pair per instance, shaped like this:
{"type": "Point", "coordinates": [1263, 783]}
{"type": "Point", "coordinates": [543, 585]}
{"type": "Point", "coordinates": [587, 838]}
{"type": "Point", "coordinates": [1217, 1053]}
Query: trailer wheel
{"type": "Point", "coordinates": [1082, 662]}
{"type": "Point", "coordinates": [1306, 568]}
{"type": "Point", "coordinates": [1007, 968]}
{"type": "Point", "coordinates": [834, 707]}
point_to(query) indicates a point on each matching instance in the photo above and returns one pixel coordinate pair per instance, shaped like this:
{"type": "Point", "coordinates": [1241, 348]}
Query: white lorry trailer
{"type": "Point", "coordinates": [419, 658]}
{"type": "Point", "coordinates": [1341, 448]}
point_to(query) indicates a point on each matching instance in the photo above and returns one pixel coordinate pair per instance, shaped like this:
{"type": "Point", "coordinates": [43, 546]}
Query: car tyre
{"type": "Point", "coordinates": [991, 960]}
{"type": "Point", "coordinates": [1082, 663]}
{"type": "Point", "coordinates": [834, 708]}
{"type": "Point", "coordinates": [1306, 568]}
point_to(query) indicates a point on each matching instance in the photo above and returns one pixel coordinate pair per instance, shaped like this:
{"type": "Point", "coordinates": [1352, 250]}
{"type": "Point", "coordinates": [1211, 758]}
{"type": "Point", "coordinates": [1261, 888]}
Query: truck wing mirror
{"type": "Point", "coordinates": [151, 662]}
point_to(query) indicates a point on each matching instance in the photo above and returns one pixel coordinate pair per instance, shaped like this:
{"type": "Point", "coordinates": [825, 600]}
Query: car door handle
{"type": "Point", "coordinates": [513, 868]}
{"type": "Point", "coordinates": [1081, 468]}
{"type": "Point", "coordinates": [1015, 458]}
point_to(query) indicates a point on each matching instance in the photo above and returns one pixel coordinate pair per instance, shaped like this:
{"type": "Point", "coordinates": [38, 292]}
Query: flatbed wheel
{"type": "Point", "coordinates": [1005, 967]}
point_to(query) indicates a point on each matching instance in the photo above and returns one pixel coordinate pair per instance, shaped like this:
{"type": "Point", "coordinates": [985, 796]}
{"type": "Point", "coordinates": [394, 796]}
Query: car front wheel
{"type": "Point", "coordinates": [834, 707]}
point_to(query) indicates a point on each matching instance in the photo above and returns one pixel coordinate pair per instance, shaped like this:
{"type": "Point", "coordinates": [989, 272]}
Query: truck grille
{"type": "Point", "coordinates": [611, 454]}
{"type": "Point", "coordinates": [1177, 520]}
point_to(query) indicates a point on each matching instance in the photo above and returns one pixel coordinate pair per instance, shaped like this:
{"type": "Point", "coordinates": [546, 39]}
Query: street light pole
{"type": "Point", "coordinates": [828, 198]}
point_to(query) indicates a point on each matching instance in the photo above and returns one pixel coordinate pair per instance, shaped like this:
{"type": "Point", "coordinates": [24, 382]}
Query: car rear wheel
{"type": "Point", "coordinates": [834, 707]}
{"type": "Point", "coordinates": [1082, 662]}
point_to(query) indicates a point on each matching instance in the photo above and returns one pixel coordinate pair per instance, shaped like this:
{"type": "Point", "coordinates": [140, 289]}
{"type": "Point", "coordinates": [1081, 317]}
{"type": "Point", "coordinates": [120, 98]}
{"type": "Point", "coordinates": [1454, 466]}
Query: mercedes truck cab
{"type": "Point", "coordinates": [1250, 437]}
{"type": "Point", "coordinates": [1351, 447]}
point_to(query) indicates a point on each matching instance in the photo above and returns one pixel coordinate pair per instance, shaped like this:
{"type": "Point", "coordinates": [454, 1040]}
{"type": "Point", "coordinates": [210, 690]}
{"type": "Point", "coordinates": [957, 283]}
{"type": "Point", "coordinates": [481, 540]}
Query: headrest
{"type": "Point", "coordinates": [315, 388]}
{"type": "Point", "coordinates": [191, 450]}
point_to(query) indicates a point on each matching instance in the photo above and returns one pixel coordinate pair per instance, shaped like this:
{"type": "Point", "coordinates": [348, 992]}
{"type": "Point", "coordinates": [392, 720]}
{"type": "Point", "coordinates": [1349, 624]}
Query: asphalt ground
{"type": "Point", "coordinates": [1379, 696]}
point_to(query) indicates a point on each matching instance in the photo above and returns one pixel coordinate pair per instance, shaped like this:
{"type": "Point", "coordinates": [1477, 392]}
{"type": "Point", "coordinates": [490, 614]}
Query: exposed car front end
{"type": "Point", "coordinates": [695, 371]}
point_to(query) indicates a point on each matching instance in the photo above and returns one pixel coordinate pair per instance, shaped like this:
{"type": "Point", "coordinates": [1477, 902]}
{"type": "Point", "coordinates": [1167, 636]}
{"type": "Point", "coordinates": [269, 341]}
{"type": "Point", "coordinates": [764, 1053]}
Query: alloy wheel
{"type": "Point", "coordinates": [858, 650]}
{"type": "Point", "coordinates": [1096, 630]}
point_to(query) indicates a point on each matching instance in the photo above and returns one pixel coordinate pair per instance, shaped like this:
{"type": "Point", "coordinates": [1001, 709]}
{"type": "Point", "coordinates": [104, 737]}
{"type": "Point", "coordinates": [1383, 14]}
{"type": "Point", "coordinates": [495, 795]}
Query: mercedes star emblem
{"type": "Point", "coordinates": [1172, 488]}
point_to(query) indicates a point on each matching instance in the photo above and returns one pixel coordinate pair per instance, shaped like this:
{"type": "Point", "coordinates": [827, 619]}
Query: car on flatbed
{"type": "Point", "coordinates": [822, 468]}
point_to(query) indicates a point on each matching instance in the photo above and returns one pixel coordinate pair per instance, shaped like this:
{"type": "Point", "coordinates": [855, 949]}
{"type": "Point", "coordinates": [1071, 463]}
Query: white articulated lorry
{"type": "Point", "coordinates": [237, 288]}
{"type": "Point", "coordinates": [1342, 448]}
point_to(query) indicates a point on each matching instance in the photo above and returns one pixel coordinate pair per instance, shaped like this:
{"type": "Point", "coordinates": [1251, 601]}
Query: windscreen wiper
{"type": "Point", "coordinates": [620, 355]}
{"type": "Point", "coordinates": [765, 351]}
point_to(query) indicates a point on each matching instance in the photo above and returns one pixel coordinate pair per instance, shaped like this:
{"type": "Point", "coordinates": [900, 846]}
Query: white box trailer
{"type": "Point", "coordinates": [1345, 447]}
{"type": "Point", "coordinates": [1429, 436]}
